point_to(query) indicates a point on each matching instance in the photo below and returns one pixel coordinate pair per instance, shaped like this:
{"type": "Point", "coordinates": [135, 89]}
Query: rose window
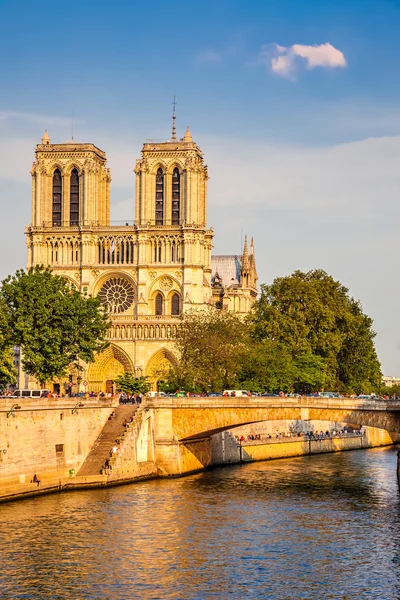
{"type": "Point", "coordinates": [117, 295]}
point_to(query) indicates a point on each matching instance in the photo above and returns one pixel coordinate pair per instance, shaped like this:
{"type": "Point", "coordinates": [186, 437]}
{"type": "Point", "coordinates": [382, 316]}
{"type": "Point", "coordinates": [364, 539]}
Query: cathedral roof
{"type": "Point", "coordinates": [228, 267]}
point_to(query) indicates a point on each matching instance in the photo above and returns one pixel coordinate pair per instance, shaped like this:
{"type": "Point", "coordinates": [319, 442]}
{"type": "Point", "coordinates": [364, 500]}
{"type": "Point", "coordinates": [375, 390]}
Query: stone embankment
{"type": "Point", "coordinates": [63, 444]}
{"type": "Point", "coordinates": [226, 449]}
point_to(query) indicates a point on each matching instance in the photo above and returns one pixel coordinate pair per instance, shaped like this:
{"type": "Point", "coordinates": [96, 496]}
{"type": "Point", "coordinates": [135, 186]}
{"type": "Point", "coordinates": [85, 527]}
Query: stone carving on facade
{"type": "Point", "coordinates": [166, 283]}
{"type": "Point", "coordinates": [117, 294]}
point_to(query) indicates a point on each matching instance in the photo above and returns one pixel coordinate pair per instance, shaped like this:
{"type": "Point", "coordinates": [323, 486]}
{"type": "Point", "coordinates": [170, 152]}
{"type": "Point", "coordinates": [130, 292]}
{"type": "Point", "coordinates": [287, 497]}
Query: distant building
{"type": "Point", "coordinates": [146, 273]}
{"type": "Point", "coordinates": [390, 381]}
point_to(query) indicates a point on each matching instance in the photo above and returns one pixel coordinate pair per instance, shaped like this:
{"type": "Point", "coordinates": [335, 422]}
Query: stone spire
{"type": "Point", "coordinates": [245, 270]}
{"type": "Point", "coordinates": [253, 268]}
{"type": "Point", "coordinates": [245, 259]}
{"type": "Point", "coordinates": [174, 120]}
{"type": "Point", "coordinates": [188, 136]}
{"type": "Point", "coordinates": [45, 138]}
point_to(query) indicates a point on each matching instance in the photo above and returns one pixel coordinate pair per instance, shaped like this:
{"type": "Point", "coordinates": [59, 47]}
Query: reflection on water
{"type": "Point", "coordinates": [313, 527]}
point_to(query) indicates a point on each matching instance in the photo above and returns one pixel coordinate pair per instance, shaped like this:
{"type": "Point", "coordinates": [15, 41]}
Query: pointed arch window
{"type": "Point", "coordinates": [175, 305]}
{"type": "Point", "coordinates": [74, 198]}
{"type": "Point", "coordinates": [57, 198]}
{"type": "Point", "coordinates": [176, 196]}
{"type": "Point", "coordinates": [160, 197]}
{"type": "Point", "coordinates": [159, 305]}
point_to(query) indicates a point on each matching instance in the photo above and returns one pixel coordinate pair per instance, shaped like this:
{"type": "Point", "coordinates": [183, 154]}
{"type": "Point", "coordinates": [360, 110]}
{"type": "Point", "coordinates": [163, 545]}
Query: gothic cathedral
{"type": "Point", "coordinates": [147, 272]}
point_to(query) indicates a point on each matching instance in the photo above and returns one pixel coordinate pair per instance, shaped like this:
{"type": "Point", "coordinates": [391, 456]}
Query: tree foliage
{"type": "Point", "coordinates": [305, 334]}
{"type": "Point", "coordinates": [211, 344]}
{"type": "Point", "coordinates": [52, 322]}
{"type": "Point", "coordinates": [266, 366]}
{"type": "Point", "coordinates": [313, 315]}
{"type": "Point", "coordinates": [8, 373]}
{"type": "Point", "coordinates": [130, 384]}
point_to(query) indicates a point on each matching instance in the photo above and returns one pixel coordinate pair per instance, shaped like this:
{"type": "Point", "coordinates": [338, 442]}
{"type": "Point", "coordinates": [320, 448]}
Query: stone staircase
{"type": "Point", "coordinates": [102, 446]}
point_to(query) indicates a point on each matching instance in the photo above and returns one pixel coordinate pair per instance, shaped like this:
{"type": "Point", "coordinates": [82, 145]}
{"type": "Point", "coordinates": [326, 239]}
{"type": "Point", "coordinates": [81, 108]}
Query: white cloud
{"type": "Point", "coordinates": [285, 61]}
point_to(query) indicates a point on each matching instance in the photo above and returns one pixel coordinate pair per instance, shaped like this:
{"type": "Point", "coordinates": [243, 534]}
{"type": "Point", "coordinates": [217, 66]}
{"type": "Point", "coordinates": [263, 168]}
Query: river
{"type": "Point", "coordinates": [324, 526]}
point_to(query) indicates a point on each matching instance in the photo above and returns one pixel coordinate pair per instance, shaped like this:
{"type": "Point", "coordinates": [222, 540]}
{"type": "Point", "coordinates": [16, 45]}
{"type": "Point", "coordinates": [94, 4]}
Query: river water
{"type": "Point", "coordinates": [323, 526]}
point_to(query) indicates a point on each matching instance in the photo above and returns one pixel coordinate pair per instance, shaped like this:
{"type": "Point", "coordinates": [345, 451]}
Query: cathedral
{"type": "Point", "coordinates": [147, 272]}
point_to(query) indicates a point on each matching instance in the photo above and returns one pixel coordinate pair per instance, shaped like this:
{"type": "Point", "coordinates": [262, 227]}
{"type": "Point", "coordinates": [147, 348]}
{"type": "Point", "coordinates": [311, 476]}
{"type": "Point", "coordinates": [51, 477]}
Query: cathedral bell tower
{"type": "Point", "coordinates": [70, 185]}
{"type": "Point", "coordinates": [171, 183]}
{"type": "Point", "coordinates": [171, 219]}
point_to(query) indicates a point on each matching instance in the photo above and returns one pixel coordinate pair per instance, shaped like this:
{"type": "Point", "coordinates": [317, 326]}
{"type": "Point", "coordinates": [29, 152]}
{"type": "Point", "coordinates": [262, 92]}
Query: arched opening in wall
{"type": "Point", "coordinates": [74, 198]}
{"type": "Point", "coordinates": [106, 368]}
{"type": "Point", "coordinates": [173, 252]}
{"type": "Point", "coordinates": [159, 305]}
{"type": "Point", "coordinates": [175, 305]}
{"type": "Point", "coordinates": [176, 196]}
{"type": "Point", "coordinates": [159, 197]}
{"type": "Point", "coordinates": [57, 198]}
{"type": "Point", "coordinates": [159, 366]}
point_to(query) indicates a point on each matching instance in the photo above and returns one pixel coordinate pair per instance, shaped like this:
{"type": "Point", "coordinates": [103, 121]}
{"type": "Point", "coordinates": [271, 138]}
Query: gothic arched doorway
{"type": "Point", "coordinates": [106, 368]}
{"type": "Point", "coordinates": [158, 366]}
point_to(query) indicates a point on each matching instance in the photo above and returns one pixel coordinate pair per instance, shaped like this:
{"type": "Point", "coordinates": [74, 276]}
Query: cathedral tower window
{"type": "Point", "coordinates": [159, 305]}
{"type": "Point", "coordinates": [176, 196]}
{"type": "Point", "coordinates": [57, 198]}
{"type": "Point", "coordinates": [175, 305]}
{"type": "Point", "coordinates": [160, 197]}
{"type": "Point", "coordinates": [74, 198]}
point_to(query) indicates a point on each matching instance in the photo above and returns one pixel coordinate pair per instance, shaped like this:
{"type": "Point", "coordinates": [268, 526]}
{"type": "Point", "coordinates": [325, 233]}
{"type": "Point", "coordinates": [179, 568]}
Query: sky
{"type": "Point", "coordinates": [295, 104]}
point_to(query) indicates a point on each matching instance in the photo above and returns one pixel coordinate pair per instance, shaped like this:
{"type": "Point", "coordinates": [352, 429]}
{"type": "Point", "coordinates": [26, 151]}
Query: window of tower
{"type": "Point", "coordinates": [159, 304]}
{"type": "Point", "coordinates": [159, 197]}
{"type": "Point", "coordinates": [176, 196]}
{"type": "Point", "coordinates": [57, 198]}
{"type": "Point", "coordinates": [175, 305]}
{"type": "Point", "coordinates": [74, 198]}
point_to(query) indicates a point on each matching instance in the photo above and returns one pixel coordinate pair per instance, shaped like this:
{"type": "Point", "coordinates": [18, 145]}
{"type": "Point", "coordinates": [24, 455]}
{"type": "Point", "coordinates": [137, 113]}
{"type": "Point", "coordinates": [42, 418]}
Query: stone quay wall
{"type": "Point", "coordinates": [49, 440]}
{"type": "Point", "coordinates": [227, 450]}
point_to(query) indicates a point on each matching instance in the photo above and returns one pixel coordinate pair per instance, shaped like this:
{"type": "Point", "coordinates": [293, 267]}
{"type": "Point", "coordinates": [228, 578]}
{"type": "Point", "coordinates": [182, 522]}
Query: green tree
{"type": "Point", "coordinates": [8, 373]}
{"type": "Point", "coordinates": [211, 344]}
{"type": "Point", "coordinates": [314, 315]}
{"type": "Point", "coordinates": [308, 373]}
{"type": "Point", "coordinates": [267, 366]}
{"type": "Point", "coordinates": [130, 384]}
{"type": "Point", "coordinates": [54, 325]}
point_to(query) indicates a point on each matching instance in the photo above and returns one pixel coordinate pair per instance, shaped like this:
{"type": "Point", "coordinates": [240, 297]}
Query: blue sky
{"type": "Point", "coordinates": [294, 103]}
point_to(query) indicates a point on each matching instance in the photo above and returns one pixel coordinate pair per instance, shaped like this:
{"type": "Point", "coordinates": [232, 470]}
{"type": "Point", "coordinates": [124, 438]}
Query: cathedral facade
{"type": "Point", "coordinates": [146, 273]}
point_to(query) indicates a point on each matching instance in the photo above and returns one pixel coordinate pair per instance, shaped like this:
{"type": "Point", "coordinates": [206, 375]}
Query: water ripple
{"type": "Point", "coordinates": [323, 526]}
